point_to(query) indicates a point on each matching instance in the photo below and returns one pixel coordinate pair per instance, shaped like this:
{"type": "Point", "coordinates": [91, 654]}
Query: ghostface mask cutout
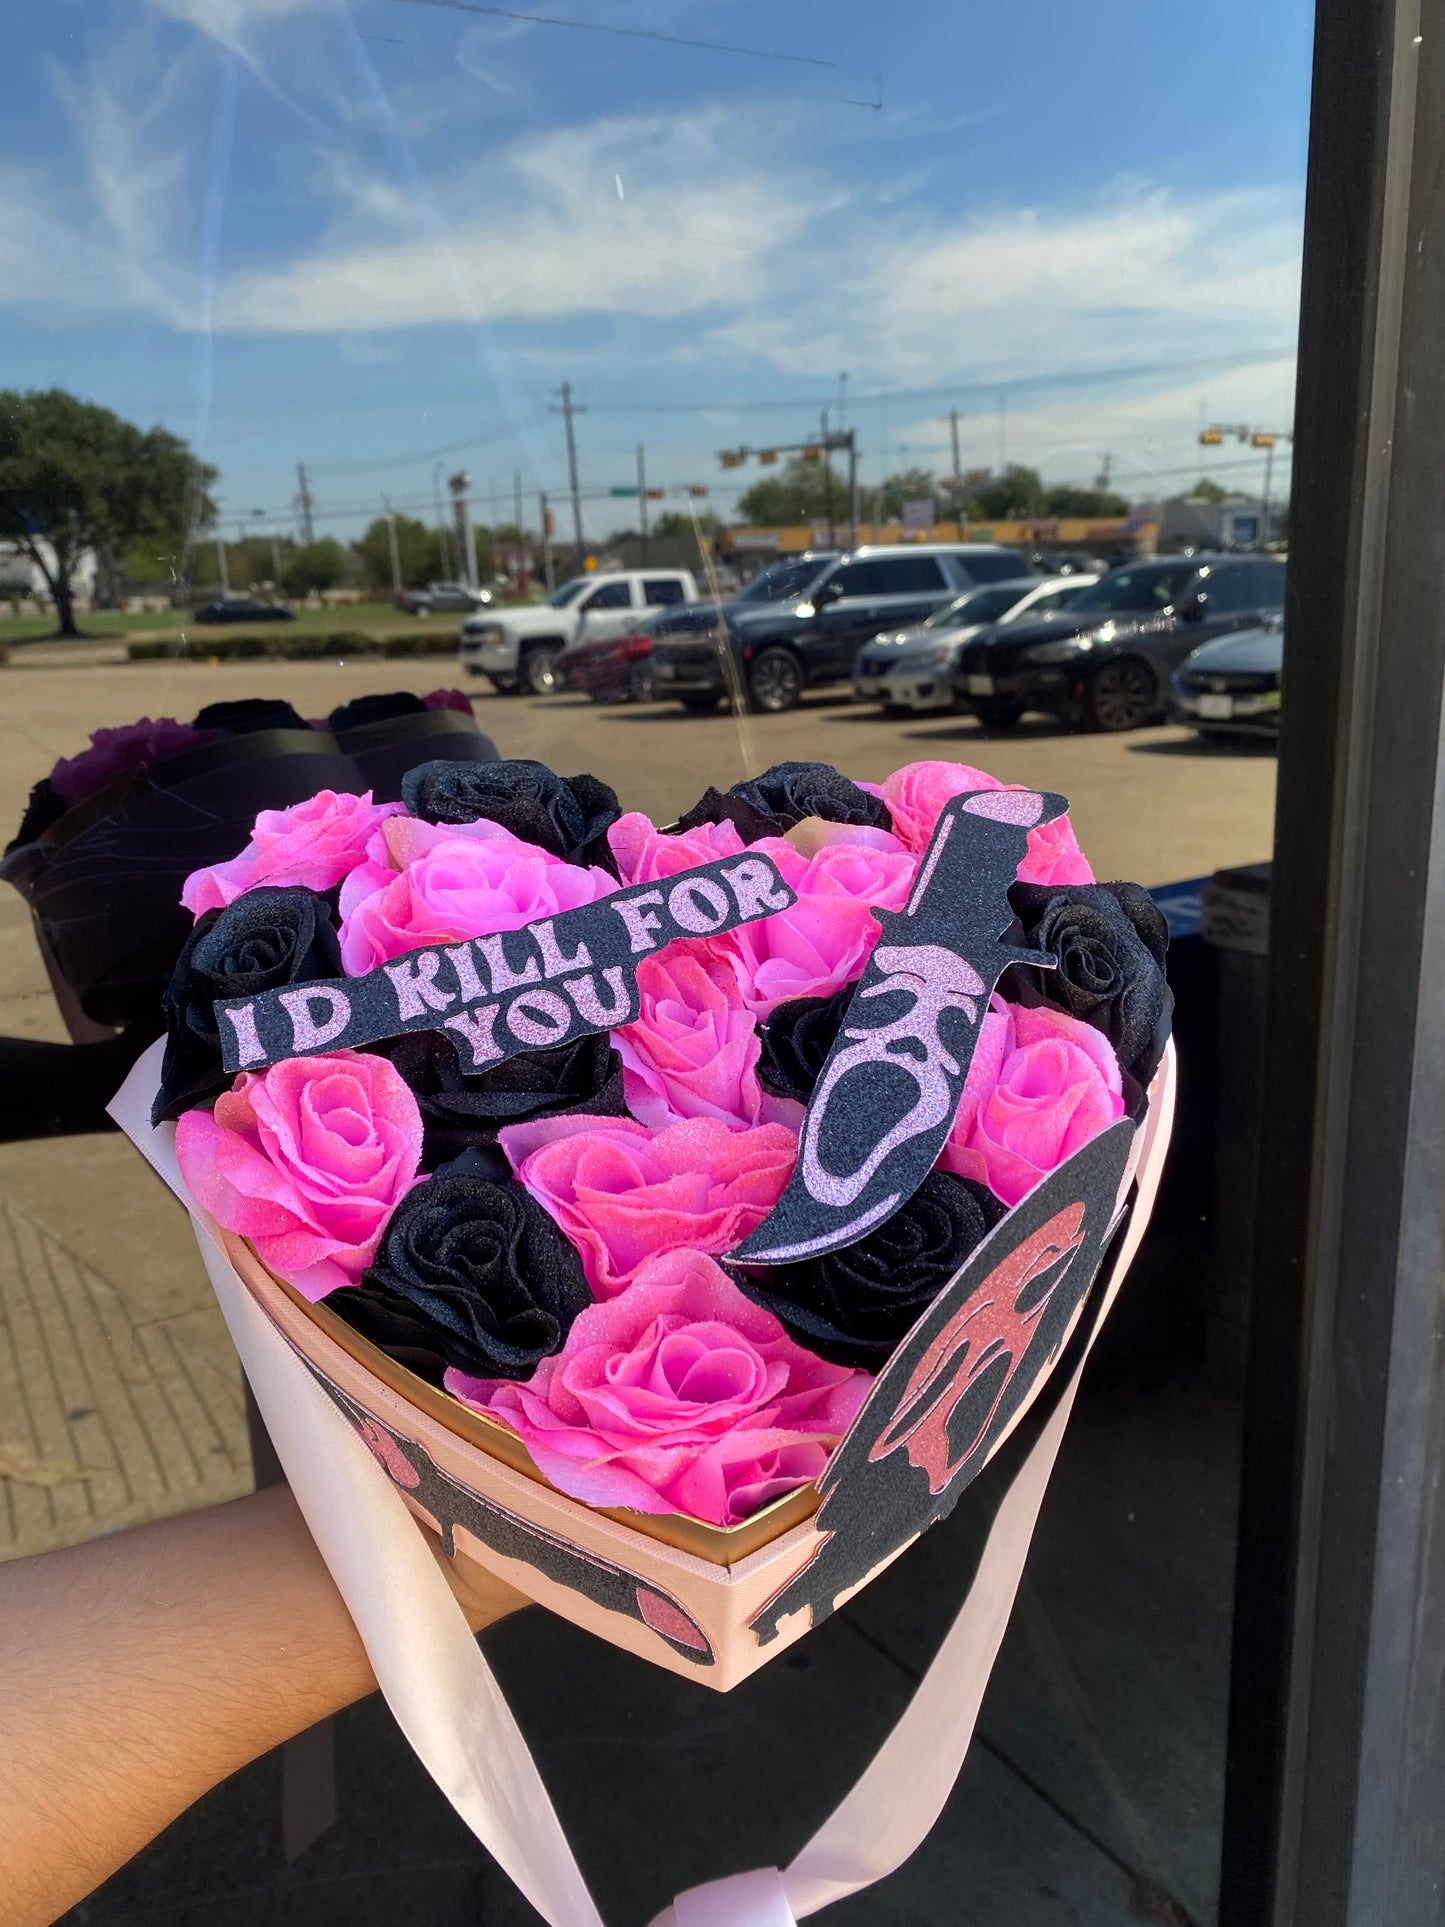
{"type": "Point", "coordinates": [891, 1085]}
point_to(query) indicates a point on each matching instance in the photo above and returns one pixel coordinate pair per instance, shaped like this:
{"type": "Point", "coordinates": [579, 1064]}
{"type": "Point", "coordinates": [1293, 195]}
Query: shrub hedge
{"type": "Point", "coordinates": [289, 648]}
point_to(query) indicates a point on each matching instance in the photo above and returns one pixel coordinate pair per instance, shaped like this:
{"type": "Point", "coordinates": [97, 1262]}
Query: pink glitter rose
{"type": "Point", "coordinates": [1041, 1085]}
{"type": "Point", "coordinates": [643, 853]}
{"type": "Point", "coordinates": [308, 1160]}
{"type": "Point", "coordinates": [694, 1049]}
{"type": "Point", "coordinates": [823, 941]}
{"type": "Point", "coordinates": [623, 1193]}
{"type": "Point", "coordinates": [462, 886]}
{"type": "Point", "coordinates": [678, 1396]}
{"type": "Point", "coordinates": [114, 753]}
{"type": "Point", "coordinates": [456, 699]}
{"type": "Point", "coordinates": [916, 793]}
{"type": "Point", "coordinates": [314, 844]}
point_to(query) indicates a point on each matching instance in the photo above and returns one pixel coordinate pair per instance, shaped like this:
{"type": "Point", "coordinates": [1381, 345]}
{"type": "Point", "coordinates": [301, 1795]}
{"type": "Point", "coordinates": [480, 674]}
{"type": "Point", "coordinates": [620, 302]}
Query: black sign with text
{"type": "Point", "coordinates": [519, 990]}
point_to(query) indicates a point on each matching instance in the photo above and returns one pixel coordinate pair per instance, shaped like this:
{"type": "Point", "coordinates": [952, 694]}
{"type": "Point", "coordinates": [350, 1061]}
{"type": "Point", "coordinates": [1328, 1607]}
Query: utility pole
{"type": "Point", "coordinates": [1106, 469]}
{"type": "Point", "coordinates": [642, 501]}
{"type": "Point", "coordinates": [275, 559]}
{"type": "Point", "coordinates": [304, 505]}
{"type": "Point", "coordinates": [828, 485]}
{"type": "Point", "coordinates": [221, 563]}
{"type": "Point", "coordinates": [444, 557]}
{"type": "Point", "coordinates": [1263, 541]}
{"type": "Point", "coordinates": [852, 487]}
{"type": "Point", "coordinates": [1002, 429]}
{"type": "Point", "coordinates": [462, 510]}
{"type": "Point", "coordinates": [955, 492]}
{"type": "Point", "coordinates": [568, 409]}
{"type": "Point", "coordinates": [395, 554]}
{"type": "Point", "coordinates": [544, 516]}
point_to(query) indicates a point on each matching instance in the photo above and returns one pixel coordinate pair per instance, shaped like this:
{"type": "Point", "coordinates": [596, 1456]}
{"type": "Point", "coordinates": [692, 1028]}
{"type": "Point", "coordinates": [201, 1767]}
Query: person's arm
{"type": "Point", "coordinates": [140, 1670]}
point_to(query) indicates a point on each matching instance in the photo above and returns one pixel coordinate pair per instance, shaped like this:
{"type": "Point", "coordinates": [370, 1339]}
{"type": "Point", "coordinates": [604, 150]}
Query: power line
{"type": "Point", "coordinates": [628, 33]}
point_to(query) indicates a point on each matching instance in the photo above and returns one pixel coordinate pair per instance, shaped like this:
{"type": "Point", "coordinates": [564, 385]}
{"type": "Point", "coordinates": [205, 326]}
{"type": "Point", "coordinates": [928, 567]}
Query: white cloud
{"type": "Point", "coordinates": [543, 235]}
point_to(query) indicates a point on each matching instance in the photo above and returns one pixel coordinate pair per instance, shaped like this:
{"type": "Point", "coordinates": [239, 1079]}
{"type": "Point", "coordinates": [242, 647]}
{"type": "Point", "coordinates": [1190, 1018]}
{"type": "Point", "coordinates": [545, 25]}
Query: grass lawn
{"type": "Point", "coordinates": [109, 625]}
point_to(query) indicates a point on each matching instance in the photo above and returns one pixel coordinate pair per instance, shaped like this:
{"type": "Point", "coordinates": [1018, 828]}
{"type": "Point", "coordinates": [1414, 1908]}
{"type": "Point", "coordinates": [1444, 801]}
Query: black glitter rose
{"type": "Point", "coordinates": [470, 1273]}
{"type": "Point", "coordinates": [566, 815]}
{"type": "Point", "coordinates": [266, 939]}
{"type": "Point", "coordinates": [462, 1109]}
{"type": "Point", "coordinates": [44, 807]}
{"type": "Point", "coordinates": [362, 710]}
{"type": "Point", "coordinates": [854, 1306]}
{"type": "Point", "coordinates": [797, 1039]}
{"type": "Point", "coordinates": [1110, 940]}
{"type": "Point", "coordinates": [790, 791]}
{"type": "Point", "coordinates": [248, 716]}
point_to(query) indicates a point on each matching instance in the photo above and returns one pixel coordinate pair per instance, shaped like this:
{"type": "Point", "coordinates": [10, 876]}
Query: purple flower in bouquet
{"type": "Point", "coordinates": [114, 753]}
{"type": "Point", "coordinates": [643, 852]}
{"type": "Point", "coordinates": [308, 1160]}
{"type": "Point", "coordinates": [677, 1396]}
{"type": "Point", "coordinates": [313, 844]}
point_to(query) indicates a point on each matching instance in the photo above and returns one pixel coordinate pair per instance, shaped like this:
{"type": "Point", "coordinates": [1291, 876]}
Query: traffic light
{"type": "Point", "coordinates": [549, 527]}
{"type": "Point", "coordinates": [767, 456]}
{"type": "Point", "coordinates": [1210, 437]}
{"type": "Point", "coordinates": [656, 494]}
{"type": "Point", "coordinates": [812, 453]}
{"type": "Point", "coordinates": [1262, 441]}
{"type": "Point", "coordinates": [732, 458]}
{"type": "Point", "coordinates": [698, 488]}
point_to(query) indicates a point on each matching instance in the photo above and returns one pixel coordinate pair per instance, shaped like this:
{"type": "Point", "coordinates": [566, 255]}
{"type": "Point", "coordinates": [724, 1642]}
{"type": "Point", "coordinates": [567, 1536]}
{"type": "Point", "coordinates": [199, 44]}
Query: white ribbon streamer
{"type": "Point", "coordinates": [446, 1699]}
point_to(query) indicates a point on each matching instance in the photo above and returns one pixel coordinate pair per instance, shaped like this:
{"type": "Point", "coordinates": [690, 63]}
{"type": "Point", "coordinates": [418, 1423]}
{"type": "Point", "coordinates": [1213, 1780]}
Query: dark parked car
{"type": "Point", "coordinates": [611, 669]}
{"type": "Point", "coordinates": [1106, 662]}
{"type": "Point", "coordinates": [438, 598]}
{"type": "Point", "coordinates": [1231, 685]}
{"type": "Point", "coordinates": [801, 622]}
{"type": "Point", "coordinates": [244, 608]}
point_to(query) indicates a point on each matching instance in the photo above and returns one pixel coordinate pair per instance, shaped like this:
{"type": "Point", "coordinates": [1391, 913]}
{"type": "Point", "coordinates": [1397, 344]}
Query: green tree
{"type": "Point", "coordinates": [1068, 500]}
{"type": "Point", "coordinates": [1206, 491]}
{"type": "Point", "coordinates": [1017, 492]}
{"type": "Point", "coordinates": [906, 485]}
{"type": "Point", "coordinates": [316, 566]}
{"type": "Point", "coordinates": [77, 479]}
{"type": "Point", "coordinates": [419, 550]}
{"type": "Point", "coordinates": [678, 522]}
{"type": "Point", "coordinates": [798, 494]}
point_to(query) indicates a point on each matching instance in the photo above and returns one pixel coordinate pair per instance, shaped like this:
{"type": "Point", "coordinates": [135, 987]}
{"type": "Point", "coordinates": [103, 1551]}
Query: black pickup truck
{"type": "Point", "coordinates": [802, 622]}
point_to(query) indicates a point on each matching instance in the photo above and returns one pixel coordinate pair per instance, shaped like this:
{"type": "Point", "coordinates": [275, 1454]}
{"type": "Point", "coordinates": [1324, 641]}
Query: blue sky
{"type": "Point", "coordinates": [376, 234]}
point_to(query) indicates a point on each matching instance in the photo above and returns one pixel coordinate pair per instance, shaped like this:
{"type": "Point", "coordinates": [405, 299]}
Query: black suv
{"type": "Point", "coordinates": [1106, 661]}
{"type": "Point", "coordinates": [801, 622]}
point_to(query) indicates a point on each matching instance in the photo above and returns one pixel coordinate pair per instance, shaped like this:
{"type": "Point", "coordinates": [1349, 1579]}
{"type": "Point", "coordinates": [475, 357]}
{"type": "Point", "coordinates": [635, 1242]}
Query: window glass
{"type": "Point", "coordinates": [568, 592]}
{"type": "Point", "coordinates": [906, 575]}
{"type": "Point", "coordinates": [1230, 588]}
{"type": "Point", "coordinates": [659, 590]}
{"type": "Point", "coordinates": [1136, 591]}
{"type": "Point", "coordinates": [979, 605]}
{"type": "Point", "coordinates": [611, 595]}
{"type": "Point", "coordinates": [990, 566]}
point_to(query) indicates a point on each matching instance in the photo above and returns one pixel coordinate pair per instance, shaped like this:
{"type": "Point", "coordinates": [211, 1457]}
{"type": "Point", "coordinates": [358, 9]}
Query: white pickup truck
{"type": "Point", "coordinates": [517, 648]}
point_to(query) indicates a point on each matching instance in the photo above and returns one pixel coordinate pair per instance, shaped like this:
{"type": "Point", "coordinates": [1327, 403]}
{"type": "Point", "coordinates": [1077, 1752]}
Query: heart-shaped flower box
{"type": "Point", "coordinates": [711, 1603]}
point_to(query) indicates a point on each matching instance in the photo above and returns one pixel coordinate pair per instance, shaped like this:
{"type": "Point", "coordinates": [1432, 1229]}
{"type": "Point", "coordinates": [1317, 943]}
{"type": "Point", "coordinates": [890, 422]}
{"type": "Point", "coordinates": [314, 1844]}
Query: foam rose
{"type": "Point", "coordinates": [313, 845]}
{"type": "Point", "coordinates": [916, 793]}
{"type": "Point", "coordinates": [823, 940]}
{"type": "Point", "coordinates": [623, 1193]}
{"type": "Point", "coordinates": [308, 1160]}
{"type": "Point", "coordinates": [677, 1396]}
{"type": "Point", "coordinates": [644, 852]}
{"type": "Point", "coordinates": [459, 887]}
{"type": "Point", "coordinates": [1040, 1087]}
{"type": "Point", "coordinates": [693, 1051]}
{"type": "Point", "coordinates": [114, 753]}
